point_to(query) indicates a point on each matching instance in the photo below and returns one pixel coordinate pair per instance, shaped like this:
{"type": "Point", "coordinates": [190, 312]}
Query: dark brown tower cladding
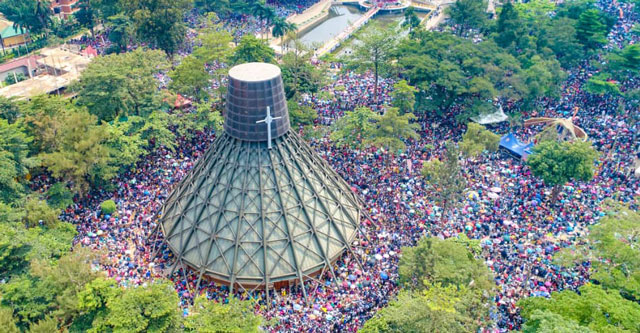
{"type": "Point", "coordinates": [252, 88]}
{"type": "Point", "coordinates": [254, 213]}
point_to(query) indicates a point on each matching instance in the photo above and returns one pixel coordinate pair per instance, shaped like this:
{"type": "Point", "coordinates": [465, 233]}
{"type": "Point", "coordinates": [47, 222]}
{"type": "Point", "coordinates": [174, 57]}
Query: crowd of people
{"type": "Point", "coordinates": [505, 207]}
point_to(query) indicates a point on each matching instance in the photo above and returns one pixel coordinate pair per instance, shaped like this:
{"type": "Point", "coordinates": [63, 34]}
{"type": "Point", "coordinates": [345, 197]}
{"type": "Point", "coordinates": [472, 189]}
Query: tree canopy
{"type": "Point", "coordinates": [445, 289]}
{"type": "Point", "coordinates": [252, 49]}
{"type": "Point", "coordinates": [559, 162]}
{"type": "Point", "coordinates": [478, 139]}
{"type": "Point", "coordinates": [444, 177]}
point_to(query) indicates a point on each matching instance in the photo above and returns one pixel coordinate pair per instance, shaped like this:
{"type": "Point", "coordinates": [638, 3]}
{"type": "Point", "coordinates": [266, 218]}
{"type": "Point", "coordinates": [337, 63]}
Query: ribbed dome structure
{"type": "Point", "coordinates": [249, 216]}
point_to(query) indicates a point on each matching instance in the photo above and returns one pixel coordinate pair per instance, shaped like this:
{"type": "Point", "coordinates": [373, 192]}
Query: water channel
{"type": "Point", "coordinates": [340, 17]}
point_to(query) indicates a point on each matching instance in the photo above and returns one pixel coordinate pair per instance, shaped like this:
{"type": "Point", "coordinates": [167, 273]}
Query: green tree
{"type": "Point", "coordinates": [15, 78]}
{"type": "Point", "coordinates": [9, 109]}
{"type": "Point", "coordinates": [30, 299]}
{"type": "Point", "coordinates": [411, 20]}
{"type": "Point", "coordinates": [404, 96]}
{"type": "Point", "coordinates": [601, 84]}
{"type": "Point", "coordinates": [59, 196]}
{"type": "Point", "coordinates": [436, 309]}
{"type": "Point", "coordinates": [210, 317]}
{"type": "Point", "coordinates": [478, 139]}
{"type": "Point", "coordinates": [7, 322]}
{"type": "Point", "coordinates": [445, 289]}
{"type": "Point", "coordinates": [252, 49]}
{"type": "Point", "coordinates": [18, 245]}
{"type": "Point", "coordinates": [214, 50]}
{"type": "Point", "coordinates": [354, 127]}
{"type": "Point", "coordinates": [613, 251]}
{"type": "Point", "coordinates": [190, 78]}
{"type": "Point", "coordinates": [449, 70]}
{"type": "Point", "coordinates": [375, 49]}
{"type": "Point", "coordinates": [82, 158]}
{"type": "Point", "coordinates": [559, 35]}
{"type": "Point", "coordinates": [448, 262]}
{"type": "Point", "coordinates": [107, 8]}
{"type": "Point", "coordinates": [126, 141]}
{"type": "Point", "coordinates": [298, 74]}
{"type": "Point", "coordinates": [68, 277]}
{"type": "Point", "coordinates": [159, 22]}
{"type": "Point", "coordinates": [49, 288]}
{"type": "Point", "coordinates": [281, 28]}
{"type": "Point", "coordinates": [390, 129]}
{"type": "Point", "coordinates": [508, 25]}
{"type": "Point", "coordinates": [46, 325]}
{"type": "Point", "coordinates": [43, 118]}
{"type": "Point", "coordinates": [38, 212]}
{"type": "Point", "coordinates": [222, 7]}
{"type": "Point", "coordinates": [86, 15]}
{"type": "Point", "coordinates": [122, 87]}
{"type": "Point", "coordinates": [591, 32]}
{"type": "Point", "coordinates": [122, 84]}
{"type": "Point", "coordinates": [204, 117]}
{"type": "Point", "coordinates": [120, 31]}
{"type": "Point", "coordinates": [559, 162]}
{"type": "Point", "coordinates": [445, 179]}
{"type": "Point", "coordinates": [300, 115]}
{"type": "Point", "coordinates": [14, 248]}
{"type": "Point", "coordinates": [14, 160]}
{"type": "Point", "coordinates": [598, 309]}
{"type": "Point", "coordinates": [92, 304]}
{"type": "Point", "coordinates": [145, 309]}
{"type": "Point", "coordinates": [469, 14]}
{"type": "Point", "coordinates": [625, 62]}
{"type": "Point", "coordinates": [262, 11]}
{"type": "Point", "coordinates": [43, 14]}
{"type": "Point", "coordinates": [549, 322]}
{"type": "Point", "coordinates": [215, 40]}
{"type": "Point", "coordinates": [534, 9]}
{"type": "Point", "coordinates": [543, 78]}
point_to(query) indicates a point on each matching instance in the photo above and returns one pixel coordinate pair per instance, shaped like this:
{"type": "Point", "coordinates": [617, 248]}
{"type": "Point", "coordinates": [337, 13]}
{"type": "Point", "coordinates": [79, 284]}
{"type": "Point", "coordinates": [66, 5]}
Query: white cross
{"type": "Point", "coordinates": [268, 120]}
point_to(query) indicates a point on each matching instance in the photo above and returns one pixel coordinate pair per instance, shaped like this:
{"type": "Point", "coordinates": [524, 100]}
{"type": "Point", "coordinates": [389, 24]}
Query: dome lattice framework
{"type": "Point", "coordinates": [255, 215]}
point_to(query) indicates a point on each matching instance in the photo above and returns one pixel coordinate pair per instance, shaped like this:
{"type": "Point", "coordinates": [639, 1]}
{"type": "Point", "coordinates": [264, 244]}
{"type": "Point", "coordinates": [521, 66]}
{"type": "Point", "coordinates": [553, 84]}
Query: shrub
{"type": "Point", "coordinates": [108, 207]}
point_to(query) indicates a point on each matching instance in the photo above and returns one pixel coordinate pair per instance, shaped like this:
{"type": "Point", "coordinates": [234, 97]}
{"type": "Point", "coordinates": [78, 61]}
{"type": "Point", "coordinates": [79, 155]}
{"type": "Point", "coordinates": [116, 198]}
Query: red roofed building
{"type": "Point", "coordinates": [64, 8]}
{"type": "Point", "coordinates": [89, 52]}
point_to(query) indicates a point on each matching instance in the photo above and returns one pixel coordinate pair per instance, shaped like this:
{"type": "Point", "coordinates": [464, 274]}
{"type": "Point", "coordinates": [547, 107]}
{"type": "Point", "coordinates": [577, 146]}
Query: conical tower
{"type": "Point", "coordinates": [260, 209]}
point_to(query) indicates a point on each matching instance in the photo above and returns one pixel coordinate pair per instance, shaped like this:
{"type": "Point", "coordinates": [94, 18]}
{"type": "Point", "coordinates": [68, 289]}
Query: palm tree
{"type": "Point", "coordinates": [263, 12]}
{"type": "Point", "coordinates": [281, 28]}
{"type": "Point", "coordinates": [278, 30]}
{"type": "Point", "coordinates": [43, 14]}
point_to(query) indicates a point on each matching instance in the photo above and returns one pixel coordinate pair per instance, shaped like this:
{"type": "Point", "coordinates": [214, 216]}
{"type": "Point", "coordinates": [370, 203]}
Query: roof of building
{"type": "Point", "coordinates": [251, 215]}
{"type": "Point", "coordinates": [63, 60]}
{"type": "Point", "coordinates": [29, 61]}
{"type": "Point", "coordinates": [70, 65]}
{"type": "Point", "coordinates": [10, 31]}
{"type": "Point", "coordinates": [254, 71]}
{"type": "Point", "coordinates": [41, 84]}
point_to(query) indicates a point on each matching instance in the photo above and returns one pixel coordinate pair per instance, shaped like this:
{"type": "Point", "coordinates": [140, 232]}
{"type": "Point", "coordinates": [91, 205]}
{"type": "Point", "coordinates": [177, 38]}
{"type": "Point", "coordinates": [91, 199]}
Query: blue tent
{"type": "Point", "coordinates": [515, 146]}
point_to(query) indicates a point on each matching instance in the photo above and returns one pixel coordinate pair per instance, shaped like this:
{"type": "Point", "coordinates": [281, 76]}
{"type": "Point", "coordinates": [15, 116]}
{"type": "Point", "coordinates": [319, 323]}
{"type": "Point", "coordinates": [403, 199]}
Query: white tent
{"type": "Point", "coordinates": [491, 118]}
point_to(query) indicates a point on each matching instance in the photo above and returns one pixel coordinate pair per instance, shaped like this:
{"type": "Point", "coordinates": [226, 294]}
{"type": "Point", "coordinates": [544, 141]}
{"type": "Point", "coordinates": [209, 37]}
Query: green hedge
{"type": "Point", "coordinates": [108, 207]}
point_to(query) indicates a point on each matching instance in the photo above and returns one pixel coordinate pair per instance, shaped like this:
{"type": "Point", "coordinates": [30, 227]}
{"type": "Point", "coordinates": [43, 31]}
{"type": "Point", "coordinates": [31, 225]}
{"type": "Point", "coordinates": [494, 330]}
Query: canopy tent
{"type": "Point", "coordinates": [491, 118]}
{"type": "Point", "coordinates": [515, 146]}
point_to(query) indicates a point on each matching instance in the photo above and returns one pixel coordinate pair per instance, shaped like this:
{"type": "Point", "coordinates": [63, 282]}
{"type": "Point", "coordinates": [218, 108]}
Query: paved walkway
{"type": "Point", "coordinates": [311, 15]}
